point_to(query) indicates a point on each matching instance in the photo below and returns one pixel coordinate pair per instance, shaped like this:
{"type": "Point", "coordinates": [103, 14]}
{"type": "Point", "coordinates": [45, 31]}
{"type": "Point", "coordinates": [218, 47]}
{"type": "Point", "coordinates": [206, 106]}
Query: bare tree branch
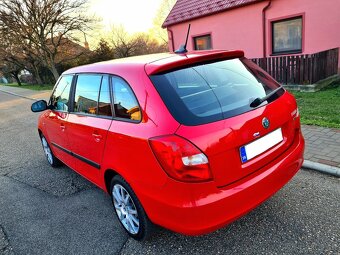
{"type": "Point", "coordinates": [44, 25]}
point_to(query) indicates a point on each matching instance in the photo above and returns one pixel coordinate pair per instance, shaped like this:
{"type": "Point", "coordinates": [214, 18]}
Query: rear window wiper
{"type": "Point", "coordinates": [258, 101]}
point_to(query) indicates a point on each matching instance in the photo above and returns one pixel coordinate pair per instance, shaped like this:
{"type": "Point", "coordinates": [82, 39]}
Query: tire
{"type": "Point", "coordinates": [129, 210]}
{"type": "Point", "coordinates": [51, 159]}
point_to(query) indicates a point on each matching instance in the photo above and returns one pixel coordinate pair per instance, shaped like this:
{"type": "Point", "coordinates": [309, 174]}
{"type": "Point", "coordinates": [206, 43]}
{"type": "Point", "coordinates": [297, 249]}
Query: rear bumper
{"type": "Point", "coordinates": [195, 209]}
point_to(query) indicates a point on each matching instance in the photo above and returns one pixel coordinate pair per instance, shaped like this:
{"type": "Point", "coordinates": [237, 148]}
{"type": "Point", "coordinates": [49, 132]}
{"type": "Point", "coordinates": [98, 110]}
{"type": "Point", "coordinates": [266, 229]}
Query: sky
{"type": "Point", "coordinates": [134, 15]}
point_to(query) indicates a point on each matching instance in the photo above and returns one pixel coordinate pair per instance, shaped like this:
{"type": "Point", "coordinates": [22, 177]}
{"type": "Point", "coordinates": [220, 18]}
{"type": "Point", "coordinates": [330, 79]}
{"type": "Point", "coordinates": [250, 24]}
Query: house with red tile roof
{"type": "Point", "coordinates": [262, 28]}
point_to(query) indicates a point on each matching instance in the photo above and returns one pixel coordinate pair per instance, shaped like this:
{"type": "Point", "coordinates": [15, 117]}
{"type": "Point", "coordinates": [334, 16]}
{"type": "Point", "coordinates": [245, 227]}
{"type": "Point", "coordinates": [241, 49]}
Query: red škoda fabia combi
{"type": "Point", "coordinates": [190, 142]}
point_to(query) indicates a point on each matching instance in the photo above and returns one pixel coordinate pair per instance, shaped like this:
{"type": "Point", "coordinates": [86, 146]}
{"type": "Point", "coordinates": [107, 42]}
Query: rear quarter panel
{"type": "Point", "coordinates": [127, 149]}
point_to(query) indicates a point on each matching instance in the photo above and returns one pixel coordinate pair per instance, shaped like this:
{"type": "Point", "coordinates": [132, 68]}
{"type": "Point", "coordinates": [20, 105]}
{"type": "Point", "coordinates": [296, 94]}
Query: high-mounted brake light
{"type": "Point", "coordinates": [180, 159]}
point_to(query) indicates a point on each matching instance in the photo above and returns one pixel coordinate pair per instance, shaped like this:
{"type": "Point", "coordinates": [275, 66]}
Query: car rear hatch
{"type": "Point", "coordinates": [222, 141]}
{"type": "Point", "coordinates": [211, 100]}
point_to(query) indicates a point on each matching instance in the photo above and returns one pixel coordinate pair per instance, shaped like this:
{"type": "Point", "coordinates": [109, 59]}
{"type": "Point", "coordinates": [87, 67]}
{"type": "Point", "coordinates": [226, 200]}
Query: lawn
{"type": "Point", "coordinates": [320, 108]}
{"type": "Point", "coordinates": [31, 86]}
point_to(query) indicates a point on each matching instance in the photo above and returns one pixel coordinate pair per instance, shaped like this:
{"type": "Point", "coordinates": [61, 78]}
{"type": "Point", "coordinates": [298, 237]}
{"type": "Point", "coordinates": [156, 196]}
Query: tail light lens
{"type": "Point", "coordinates": [180, 159]}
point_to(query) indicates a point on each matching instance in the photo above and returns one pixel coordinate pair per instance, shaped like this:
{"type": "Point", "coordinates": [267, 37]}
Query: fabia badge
{"type": "Point", "coordinates": [265, 122]}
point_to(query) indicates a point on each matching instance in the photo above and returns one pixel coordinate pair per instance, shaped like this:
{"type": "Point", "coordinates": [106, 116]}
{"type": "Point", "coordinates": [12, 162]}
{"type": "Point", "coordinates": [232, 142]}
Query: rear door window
{"type": "Point", "coordinates": [210, 92]}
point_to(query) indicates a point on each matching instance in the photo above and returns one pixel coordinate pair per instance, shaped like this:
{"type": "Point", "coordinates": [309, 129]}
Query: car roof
{"type": "Point", "coordinates": [156, 63]}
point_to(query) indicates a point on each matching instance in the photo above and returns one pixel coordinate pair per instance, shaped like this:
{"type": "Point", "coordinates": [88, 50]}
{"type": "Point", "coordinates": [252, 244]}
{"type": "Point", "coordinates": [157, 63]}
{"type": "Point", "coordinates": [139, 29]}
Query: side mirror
{"type": "Point", "coordinates": [39, 106]}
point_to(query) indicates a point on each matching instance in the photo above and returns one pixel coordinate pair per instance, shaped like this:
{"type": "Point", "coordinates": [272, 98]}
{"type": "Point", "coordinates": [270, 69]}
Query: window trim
{"type": "Point", "coordinates": [271, 34]}
{"type": "Point", "coordinates": [194, 37]}
{"type": "Point", "coordinates": [111, 98]}
{"type": "Point", "coordinates": [100, 87]}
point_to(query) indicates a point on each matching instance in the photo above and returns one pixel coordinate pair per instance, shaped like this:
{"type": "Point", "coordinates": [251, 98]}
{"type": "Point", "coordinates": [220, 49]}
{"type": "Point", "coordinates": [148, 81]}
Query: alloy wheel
{"type": "Point", "coordinates": [125, 208]}
{"type": "Point", "coordinates": [47, 150]}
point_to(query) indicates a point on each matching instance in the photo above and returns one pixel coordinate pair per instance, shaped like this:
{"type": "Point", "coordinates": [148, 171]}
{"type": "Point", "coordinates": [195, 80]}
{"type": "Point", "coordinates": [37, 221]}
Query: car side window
{"type": "Point", "coordinates": [60, 96]}
{"type": "Point", "coordinates": [125, 102]}
{"type": "Point", "coordinates": [104, 103]}
{"type": "Point", "coordinates": [86, 93]}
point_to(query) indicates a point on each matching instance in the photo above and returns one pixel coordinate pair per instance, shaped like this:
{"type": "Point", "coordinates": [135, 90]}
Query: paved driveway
{"type": "Point", "coordinates": [55, 211]}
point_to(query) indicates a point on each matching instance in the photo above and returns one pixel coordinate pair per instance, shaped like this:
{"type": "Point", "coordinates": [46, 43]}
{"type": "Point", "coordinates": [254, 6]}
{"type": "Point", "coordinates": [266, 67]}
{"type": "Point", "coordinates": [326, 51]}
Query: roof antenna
{"type": "Point", "coordinates": [183, 48]}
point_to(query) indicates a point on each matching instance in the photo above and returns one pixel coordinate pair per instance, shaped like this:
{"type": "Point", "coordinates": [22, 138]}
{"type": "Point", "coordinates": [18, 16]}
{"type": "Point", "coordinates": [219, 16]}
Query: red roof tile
{"type": "Point", "coordinates": [185, 10]}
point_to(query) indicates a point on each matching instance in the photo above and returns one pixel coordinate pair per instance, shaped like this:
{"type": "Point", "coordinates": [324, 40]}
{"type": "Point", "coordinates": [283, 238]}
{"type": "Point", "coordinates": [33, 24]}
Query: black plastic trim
{"type": "Point", "coordinates": [90, 162]}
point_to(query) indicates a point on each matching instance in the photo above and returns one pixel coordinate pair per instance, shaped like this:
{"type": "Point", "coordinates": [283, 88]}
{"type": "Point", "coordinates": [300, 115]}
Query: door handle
{"type": "Point", "coordinates": [97, 137]}
{"type": "Point", "coordinates": [62, 127]}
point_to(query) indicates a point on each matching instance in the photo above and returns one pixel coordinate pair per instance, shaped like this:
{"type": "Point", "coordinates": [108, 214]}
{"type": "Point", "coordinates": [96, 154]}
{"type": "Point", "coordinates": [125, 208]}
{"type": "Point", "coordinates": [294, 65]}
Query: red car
{"type": "Point", "coordinates": [190, 142]}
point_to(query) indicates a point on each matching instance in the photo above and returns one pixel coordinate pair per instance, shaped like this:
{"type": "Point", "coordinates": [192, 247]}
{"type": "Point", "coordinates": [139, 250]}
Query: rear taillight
{"type": "Point", "coordinates": [180, 159]}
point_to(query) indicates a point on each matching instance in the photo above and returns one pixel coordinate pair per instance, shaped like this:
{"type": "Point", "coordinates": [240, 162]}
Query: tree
{"type": "Point", "coordinates": [162, 13]}
{"type": "Point", "coordinates": [144, 44]}
{"type": "Point", "coordinates": [122, 44]}
{"type": "Point", "coordinates": [15, 52]}
{"type": "Point", "coordinates": [125, 45]}
{"type": "Point", "coordinates": [102, 52]}
{"type": "Point", "coordinates": [10, 69]}
{"type": "Point", "coordinates": [43, 24]}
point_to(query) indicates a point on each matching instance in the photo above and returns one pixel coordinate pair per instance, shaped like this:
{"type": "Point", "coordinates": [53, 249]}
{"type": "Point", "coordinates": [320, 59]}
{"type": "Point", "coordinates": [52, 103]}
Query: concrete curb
{"type": "Point", "coordinates": [332, 170]}
{"type": "Point", "coordinates": [17, 95]}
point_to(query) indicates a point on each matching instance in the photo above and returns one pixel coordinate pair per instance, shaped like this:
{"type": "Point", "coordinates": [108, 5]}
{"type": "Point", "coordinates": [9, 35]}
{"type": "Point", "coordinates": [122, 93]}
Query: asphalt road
{"type": "Point", "coordinates": [55, 211]}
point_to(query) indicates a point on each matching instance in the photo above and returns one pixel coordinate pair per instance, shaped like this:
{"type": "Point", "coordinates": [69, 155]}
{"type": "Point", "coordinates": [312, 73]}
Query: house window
{"type": "Point", "coordinates": [202, 42]}
{"type": "Point", "coordinates": [287, 36]}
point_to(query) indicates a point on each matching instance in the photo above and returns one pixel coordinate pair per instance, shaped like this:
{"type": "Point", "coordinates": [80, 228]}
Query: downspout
{"type": "Point", "coordinates": [172, 39]}
{"type": "Point", "coordinates": [264, 28]}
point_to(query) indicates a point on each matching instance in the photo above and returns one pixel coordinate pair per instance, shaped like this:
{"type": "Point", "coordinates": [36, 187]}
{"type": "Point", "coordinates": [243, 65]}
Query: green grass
{"type": "Point", "coordinates": [31, 86]}
{"type": "Point", "coordinates": [320, 108]}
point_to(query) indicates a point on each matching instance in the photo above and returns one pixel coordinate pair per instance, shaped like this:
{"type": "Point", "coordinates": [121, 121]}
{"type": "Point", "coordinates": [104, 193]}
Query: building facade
{"type": "Point", "coordinates": [262, 28]}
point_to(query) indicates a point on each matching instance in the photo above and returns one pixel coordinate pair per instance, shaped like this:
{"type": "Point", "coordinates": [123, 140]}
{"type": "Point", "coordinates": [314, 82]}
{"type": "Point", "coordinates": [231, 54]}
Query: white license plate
{"type": "Point", "coordinates": [251, 150]}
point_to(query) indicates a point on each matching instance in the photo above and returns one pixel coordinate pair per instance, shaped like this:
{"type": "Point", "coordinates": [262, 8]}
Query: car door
{"type": "Point", "coordinates": [89, 122]}
{"type": "Point", "coordinates": [55, 123]}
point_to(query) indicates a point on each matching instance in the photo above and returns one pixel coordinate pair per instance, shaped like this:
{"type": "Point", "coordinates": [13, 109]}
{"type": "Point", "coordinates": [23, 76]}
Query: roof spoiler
{"type": "Point", "coordinates": [189, 59]}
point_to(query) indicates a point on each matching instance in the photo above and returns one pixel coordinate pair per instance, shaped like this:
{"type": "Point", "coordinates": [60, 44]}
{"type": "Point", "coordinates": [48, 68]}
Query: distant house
{"type": "Point", "coordinates": [262, 28]}
{"type": "Point", "coordinates": [70, 50]}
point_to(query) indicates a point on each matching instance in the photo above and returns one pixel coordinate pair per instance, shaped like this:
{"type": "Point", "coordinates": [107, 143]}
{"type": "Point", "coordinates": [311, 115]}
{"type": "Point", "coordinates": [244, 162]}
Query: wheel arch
{"type": "Point", "coordinates": [108, 175]}
{"type": "Point", "coordinates": [40, 132]}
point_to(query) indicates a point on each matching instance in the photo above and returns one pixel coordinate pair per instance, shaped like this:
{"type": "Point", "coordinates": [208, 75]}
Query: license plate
{"type": "Point", "coordinates": [251, 150]}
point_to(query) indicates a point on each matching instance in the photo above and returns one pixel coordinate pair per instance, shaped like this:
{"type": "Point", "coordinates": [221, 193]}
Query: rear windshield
{"type": "Point", "coordinates": [213, 91]}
